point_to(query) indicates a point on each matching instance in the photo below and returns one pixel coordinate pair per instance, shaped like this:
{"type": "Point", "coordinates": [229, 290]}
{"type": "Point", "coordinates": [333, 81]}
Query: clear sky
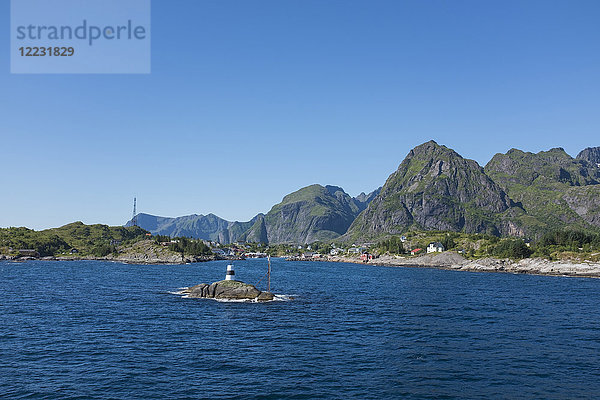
{"type": "Point", "coordinates": [250, 100]}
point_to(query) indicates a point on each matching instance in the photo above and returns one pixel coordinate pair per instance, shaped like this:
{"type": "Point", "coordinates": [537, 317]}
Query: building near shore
{"type": "Point", "coordinates": [28, 253]}
{"type": "Point", "coordinates": [435, 247]}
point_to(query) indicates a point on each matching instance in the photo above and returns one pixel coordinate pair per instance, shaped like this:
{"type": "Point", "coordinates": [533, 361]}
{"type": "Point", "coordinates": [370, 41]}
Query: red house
{"type": "Point", "coordinates": [366, 257]}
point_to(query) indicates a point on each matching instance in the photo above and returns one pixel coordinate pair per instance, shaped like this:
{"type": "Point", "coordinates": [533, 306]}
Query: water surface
{"type": "Point", "coordinates": [96, 330]}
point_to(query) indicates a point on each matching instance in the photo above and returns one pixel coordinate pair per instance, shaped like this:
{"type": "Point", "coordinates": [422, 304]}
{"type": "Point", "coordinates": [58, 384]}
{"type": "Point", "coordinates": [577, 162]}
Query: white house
{"type": "Point", "coordinates": [356, 250]}
{"type": "Point", "coordinates": [219, 252]}
{"type": "Point", "coordinates": [435, 247]}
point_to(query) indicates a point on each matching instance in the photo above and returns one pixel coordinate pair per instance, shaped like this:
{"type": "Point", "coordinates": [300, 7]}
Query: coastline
{"type": "Point", "coordinates": [144, 253]}
{"type": "Point", "coordinates": [447, 260]}
{"type": "Point", "coordinates": [456, 262]}
{"type": "Point", "coordinates": [140, 259]}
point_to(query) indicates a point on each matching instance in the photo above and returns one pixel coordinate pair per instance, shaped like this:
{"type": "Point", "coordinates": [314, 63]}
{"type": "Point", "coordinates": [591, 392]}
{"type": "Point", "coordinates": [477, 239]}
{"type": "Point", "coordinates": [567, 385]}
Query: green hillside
{"type": "Point", "coordinates": [313, 213]}
{"type": "Point", "coordinates": [556, 190]}
{"type": "Point", "coordinates": [97, 240]}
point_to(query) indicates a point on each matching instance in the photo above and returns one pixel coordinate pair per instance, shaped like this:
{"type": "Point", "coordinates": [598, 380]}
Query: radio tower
{"type": "Point", "coordinates": [134, 219]}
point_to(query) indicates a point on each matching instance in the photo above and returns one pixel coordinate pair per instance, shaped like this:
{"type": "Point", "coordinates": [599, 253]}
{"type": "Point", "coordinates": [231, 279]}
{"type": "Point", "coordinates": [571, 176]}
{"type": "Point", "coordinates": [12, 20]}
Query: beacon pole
{"type": "Point", "coordinates": [269, 275]}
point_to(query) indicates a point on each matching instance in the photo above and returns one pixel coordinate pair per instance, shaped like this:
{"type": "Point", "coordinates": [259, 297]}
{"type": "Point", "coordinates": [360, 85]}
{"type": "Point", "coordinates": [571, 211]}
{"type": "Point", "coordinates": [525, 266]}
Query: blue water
{"type": "Point", "coordinates": [95, 330]}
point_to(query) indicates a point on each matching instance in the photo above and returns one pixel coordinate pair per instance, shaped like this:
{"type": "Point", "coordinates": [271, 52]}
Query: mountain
{"type": "Point", "coordinates": [363, 199]}
{"type": "Point", "coordinates": [517, 193]}
{"type": "Point", "coordinates": [435, 188]}
{"type": "Point", "coordinates": [207, 227]}
{"type": "Point", "coordinates": [310, 214]}
{"type": "Point", "coordinates": [544, 169]}
{"type": "Point", "coordinates": [556, 190]}
{"type": "Point", "coordinates": [257, 232]}
{"type": "Point", "coordinates": [591, 154]}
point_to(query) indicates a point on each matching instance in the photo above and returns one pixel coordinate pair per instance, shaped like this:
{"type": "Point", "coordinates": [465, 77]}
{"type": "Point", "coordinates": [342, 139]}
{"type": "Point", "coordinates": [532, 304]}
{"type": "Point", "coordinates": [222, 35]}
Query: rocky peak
{"type": "Point", "coordinates": [434, 188]}
{"type": "Point", "coordinates": [364, 199]}
{"type": "Point", "coordinates": [591, 155]}
{"type": "Point", "coordinates": [545, 168]}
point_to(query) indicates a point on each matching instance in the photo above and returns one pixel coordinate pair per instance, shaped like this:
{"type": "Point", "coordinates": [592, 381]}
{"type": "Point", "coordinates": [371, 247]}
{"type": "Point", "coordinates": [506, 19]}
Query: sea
{"type": "Point", "coordinates": [104, 330]}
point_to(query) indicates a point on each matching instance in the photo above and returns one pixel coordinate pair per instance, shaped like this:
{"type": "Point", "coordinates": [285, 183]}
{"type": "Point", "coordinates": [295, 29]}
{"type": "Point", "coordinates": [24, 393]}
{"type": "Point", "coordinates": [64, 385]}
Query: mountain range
{"type": "Point", "coordinates": [434, 188]}
{"type": "Point", "coordinates": [313, 213]}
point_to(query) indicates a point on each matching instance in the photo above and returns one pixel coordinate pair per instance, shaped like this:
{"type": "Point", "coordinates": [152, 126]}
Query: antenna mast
{"type": "Point", "coordinates": [134, 219]}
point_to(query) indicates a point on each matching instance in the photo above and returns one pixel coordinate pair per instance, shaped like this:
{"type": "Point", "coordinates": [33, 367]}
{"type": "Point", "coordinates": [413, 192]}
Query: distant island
{"type": "Point", "coordinates": [519, 206]}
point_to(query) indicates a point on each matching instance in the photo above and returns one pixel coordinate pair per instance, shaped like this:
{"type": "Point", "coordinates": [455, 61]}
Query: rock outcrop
{"type": "Point", "coordinates": [591, 154]}
{"type": "Point", "coordinates": [227, 290]}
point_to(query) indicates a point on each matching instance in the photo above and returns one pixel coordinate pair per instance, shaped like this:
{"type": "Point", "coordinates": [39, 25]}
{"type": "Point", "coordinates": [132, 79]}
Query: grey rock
{"type": "Point", "coordinates": [265, 296]}
{"type": "Point", "coordinates": [364, 199]}
{"type": "Point", "coordinates": [198, 290]}
{"type": "Point", "coordinates": [591, 154]}
{"type": "Point", "coordinates": [228, 290]}
{"type": "Point", "coordinates": [237, 291]}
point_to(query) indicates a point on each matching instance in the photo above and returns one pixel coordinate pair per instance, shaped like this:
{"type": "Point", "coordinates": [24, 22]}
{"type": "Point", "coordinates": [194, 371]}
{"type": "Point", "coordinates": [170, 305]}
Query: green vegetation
{"type": "Point", "coordinates": [45, 242]}
{"type": "Point", "coordinates": [321, 247]}
{"type": "Point", "coordinates": [570, 244]}
{"type": "Point", "coordinates": [571, 240]}
{"type": "Point", "coordinates": [393, 245]}
{"type": "Point", "coordinates": [185, 246]}
{"type": "Point", "coordinates": [468, 244]}
{"type": "Point", "coordinates": [511, 248]}
{"type": "Point", "coordinates": [559, 244]}
{"type": "Point", "coordinates": [95, 240]}
{"type": "Point", "coordinates": [554, 189]}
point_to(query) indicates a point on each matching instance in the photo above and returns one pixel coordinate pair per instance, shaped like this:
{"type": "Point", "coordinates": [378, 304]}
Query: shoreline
{"type": "Point", "coordinates": [447, 261]}
{"type": "Point", "coordinates": [141, 260]}
{"type": "Point", "coordinates": [455, 262]}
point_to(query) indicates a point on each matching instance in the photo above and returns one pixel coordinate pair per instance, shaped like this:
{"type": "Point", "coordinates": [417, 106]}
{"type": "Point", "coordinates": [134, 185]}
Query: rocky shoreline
{"type": "Point", "coordinates": [144, 252]}
{"type": "Point", "coordinates": [142, 259]}
{"type": "Point", "coordinates": [447, 260]}
{"type": "Point", "coordinates": [453, 261]}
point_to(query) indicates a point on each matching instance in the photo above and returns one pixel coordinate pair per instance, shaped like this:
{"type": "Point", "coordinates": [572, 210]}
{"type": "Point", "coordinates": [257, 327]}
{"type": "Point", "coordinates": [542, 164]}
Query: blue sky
{"type": "Point", "coordinates": [250, 100]}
